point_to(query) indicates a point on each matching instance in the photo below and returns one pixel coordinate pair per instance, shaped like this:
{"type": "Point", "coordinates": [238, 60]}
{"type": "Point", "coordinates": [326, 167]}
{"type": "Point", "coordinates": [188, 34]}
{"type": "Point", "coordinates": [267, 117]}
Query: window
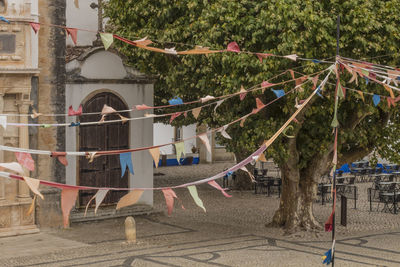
{"type": "Point", "coordinates": [7, 43]}
{"type": "Point", "coordinates": [3, 6]}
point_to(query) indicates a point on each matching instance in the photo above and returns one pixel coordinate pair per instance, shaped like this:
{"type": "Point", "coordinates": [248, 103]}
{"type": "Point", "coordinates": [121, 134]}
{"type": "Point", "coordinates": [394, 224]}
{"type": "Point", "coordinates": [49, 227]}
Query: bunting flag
{"type": "Point", "coordinates": [261, 56]}
{"type": "Point", "coordinates": [4, 19]}
{"type": "Point", "coordinates": [193, 192]}
{"type": "Point", "coordinates": [207, 98]}
{"type": "Point", "coordinates": [218, 104]}
{"type": "Point", "coordinates": [3, 121]}
{"type": "Point", "coordinates": [107, 39]}
{"type": "Point", "coordinates": [389, 90]}
{"type": "Point", "coordinates": [206, 142]}
{"type": "Point", "coordinates": [171, 51]}
{"type": "Point", "coordinates": [34, 114]}
{"type": "Point", "coordinates": [35, 26]}
{"type": "Point", "coordinates": [155, 153]}
{"type": "Point", "coordinates": [107, 110]}
{"type": "Point", "coordinates": [72, 112]}
{"type": "Point", "coordinates": [262, 157]}
{"type": "Point", "coordinates": [73, 33]}
{"type": "Point", "coordinates": [224, 133]}
{"type": "Point", "coordinates": [242, 121]}
{"type": "Point", "coordinates": [260, 105]}
{"type": "Point", "coordinates": [99, 197]}
{"type": "Point", "coordinates": [142, 107]}
{"type": "Point", "coordinates": [185, 114]}
{"type": "Point", "coordinates": [341, 91]}
{"type": "Point", "coordinates": [249, 173]}
{"type": "Point", "coordinates": [361, 95]}
{"type": "Point", "coordinates": [176, 101]}
{"type": "Point", "coordinates": [33, 185]}
{"type": "Point", "coordinates": [123, 119]}
{"type": "Point", "coordinates": [169, 195]}
{"type": "Point", "coordinates": [180, 149]}
{"type": "Point", "coordinates": [233, 47]}
{"type": "Point", "coordinates": [354, 78]}
{"type": "Point", "coordinates": [315, 81]}
{"type": "Point", "coordinates": [90, 156]}
{"type": "Point", "coordinates": [278, 93]}
{"type": "Point", "coordinates": [129, 199]}
{"type": "Point", "coordinates": [61, 156]}
{"type": "Point", "coordinates": [198, 50]}
{"type": "Point", "coordinates": [76, 3]}
{"type": "Point", "coordinates": [125, 160]}
{"type": "Point", "coordinates": [366, 80]}
{"type": "Point", "coordinates": [329, 222]}
{"type": "Point", "coordinates": [13, 166]}
{"type": "Point", "coordinates": [68, 199]}
{"type": "Point", "coordinates": [264, 85]}
{"type": "Point", "coordinates": [196, 112]}
{"type": "Point", "coordinates": [327, 258]}
{"type": "Point", "coordinates": [291, 57]}
{"type": "Point", "coordinates": [243, 93]}
{"type": "Point", "coordinates": [390, 102]}
{"type": "Point", "coordinates": [25, 159]}
{"type": "Point", "coordinates": [217, 186]}
{"type": "Point", "coordinates": [174, 116]}
{"type": "Point", "coordinates": [376, 99]}
{"type": "Point", "coordinates": [335, 121]}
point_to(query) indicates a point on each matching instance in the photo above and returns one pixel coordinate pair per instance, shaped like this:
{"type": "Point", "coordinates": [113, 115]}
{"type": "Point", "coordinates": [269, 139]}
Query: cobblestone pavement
{"type": "Point", "coordinates": [231, 233]}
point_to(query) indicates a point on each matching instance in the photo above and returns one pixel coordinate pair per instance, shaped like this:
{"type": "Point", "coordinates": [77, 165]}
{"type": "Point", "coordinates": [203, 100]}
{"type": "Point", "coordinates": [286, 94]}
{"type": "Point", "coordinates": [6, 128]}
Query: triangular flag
{"type": "Point", "coordinates": [327, 258]}
{"type": "Point", "coordinates": [292, 57]}
{"type": "Point", "coordinates": [315, 81]}
{"type": "Point", "coordinates": [61, 156]}
{"type": "Point", "coordinates": [129, 199]}
{"type": "Point", "coordinates": [4, 19]}
{"type": "Point", "coordinates": [206, 142]}
{"type": "Point", "coordinates": [340, 92]}
{"type": "Point", "coordinates": [263, 55]}
{"type": "Point", "coordinates": [354, 78]}
{"type": "Point", "coordinates": [262, 157]}
{"type": "Point", "coordinates": [266, 84]}
{"type": "Point", "coordinates": [218, 104]}
{"type": "Point", "coordinates": [107, 39]}
{"type": "Point", "coordinates": [144, 41]}
{"type": "Point", "coordinates": [13, 166]}
{"type": "Point", "coordinates": [3, 121]}
{"type": "Point", "coordinates": [185, 114]}
{"type": "Point", "coordinates": [278, 93]}
{"type": "Point", "coordinates": [171, 51]}
{"type": "Point", "coordinates": [207, 98]}
{"type": "Point", "coordinates": [107, 110]}
{"type": "Point", "coordinates": [176, 101]}
{"type": "Point", "coordinates": [198, 50]}
{"type": "Point", "coordinates": [142, 107]}
{"type": "Point", "coordinates": [25, 159]}
{"type": "Point", "coordinates": [125, 160]}
{"type": "Point", "coordinates": [123, 119]}
{"type": "Point", "coordinates": [90, 156]}
{"type": "Point", "coordinates": [68, 199]}
{"type": "Point", "coordinates": [179, 148]}
{"type": "Point", "coordinates": [242, 122]}
{"type": "Point", "coordinates": [35, 26]}
{"type": "Point", "coordinates": [391, 101]}
{"type": "Point", "coordinates": [224, 133]}
{"type": "Point", "coordinates": [35, 114]}
{"type": "Point", "coordinates": [169, 195]}
{"type": "Point", "coordinates": [196, 112]}
{"type": "Point", "coordinates": [233, 47]}
{"type": "Point", "coordinates": [260, 105]}
{"type": "Point", "coordinates": [376, 99]}
{"type": "Point", "coordinates": [249, 173]}
{"type": "Point", "coordinates": [195, 196]}
{"type": "Point", "coordinates": [174, 116]}
{"type": "Point", "coordinates": [73, 32]}
{"type": "Point", "coordinates": [243, 93]}
{"type": "Point", "coordinates": [155, 153]}
{"type": "Point", "coordinates": [32, 206]}
{"type": "Point", "coordinates": [76, 3]}
{"type": "Point", "coordinates": [33, 184]}
{"type": "Point", "coordinates": [389, 90]}
{"type": "Point", "coordinates": [72, 112]}
{"type": "Point", "coordinates": [99, 196]}
{"type": "Point", "coordinates": [335, 121]}
{"type": "Point", "coordinates": [217, 186]}
{"type": "Point", "coordinates": [361, 95]}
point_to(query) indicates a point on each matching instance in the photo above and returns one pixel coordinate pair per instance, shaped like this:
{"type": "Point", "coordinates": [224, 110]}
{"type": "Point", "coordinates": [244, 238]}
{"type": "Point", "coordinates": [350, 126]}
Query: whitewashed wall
{"type": "Point", "coordinates": [164, 133]}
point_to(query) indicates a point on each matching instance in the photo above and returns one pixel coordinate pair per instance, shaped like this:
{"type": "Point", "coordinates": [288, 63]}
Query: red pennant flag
{"type": "Point", "coordinates": [68, 199]}
{"type": "Point", "coordinates": [263, 55]}
{"type": "Point", "coordinates": [174, 116]}
{"type": "Point", "coordinates": [329, 222]}
{"type": "Point", "coordinates": [233, 47]}
{"type": "Point", "coordinates": [35, 26]}
{"type": "Point", "coordinates": [61, 156]}
{"type": "Point", "coordinates": [217, 186]}
{"type": "Point", "coordinates": [72, 112]}
{"type": "Point", "coordinates": [260, 105]}
{"type": "Point", "coordinates": [73, 32]}
{"type": "Point", "coordinates": [142, 107]}
{"type": "Point", "coordinates": [25, 159]}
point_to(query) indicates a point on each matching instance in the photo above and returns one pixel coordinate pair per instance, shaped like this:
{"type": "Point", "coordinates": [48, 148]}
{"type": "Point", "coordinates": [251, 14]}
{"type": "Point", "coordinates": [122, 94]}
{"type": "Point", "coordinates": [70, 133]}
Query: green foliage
{"type": "Point", "coordinates": [369, 28]}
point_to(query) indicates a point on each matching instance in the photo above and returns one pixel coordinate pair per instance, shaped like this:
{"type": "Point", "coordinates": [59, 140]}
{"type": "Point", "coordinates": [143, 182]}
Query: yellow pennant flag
{"type": "Point", "coordinates": [107, 39]}
{"type": "Point", "coordinates": [155, 153]}
{"type": "Point", "coordinates": [361, 95]}
{"type": "Point", "coordinates": [195, 196]}
{"type": "Point", "coordinates": [196, 112]}
{"type": "Point", "coordinates": [129, 199]}
{"type": "Point", "coordinates": [389, 90]}
{"type": "Point", "coordinates": [33, 185]}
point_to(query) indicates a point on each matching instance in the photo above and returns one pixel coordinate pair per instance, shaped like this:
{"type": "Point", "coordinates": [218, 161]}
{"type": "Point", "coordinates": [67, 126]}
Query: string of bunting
{"type": "Point", "coordinates": [69, 193]}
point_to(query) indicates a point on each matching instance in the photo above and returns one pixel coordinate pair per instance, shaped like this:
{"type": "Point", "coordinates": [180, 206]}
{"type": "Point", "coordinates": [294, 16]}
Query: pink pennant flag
{"type": "Point", "coordinates": [233, 47]}
{"type": "Point", "coordinates": [61, 156]}
{"type": "Point", "coordinates": [169, 195]}
{"type": "Point", "coordinates": [72, 112]}
{"type": "Point", "coordinates": [35, 26]}
{"type": "Point", "coordinates": [73, 32]}
{"type": "Point", "coordinates": [217, 186]}
{"type": "Point", "coordinates": [243, 93]}
{"type": "Point", "coordinates": [142, 107]}
{"type": "Point", "coordinates": [206, 142]}
{"type": "Point", "coordinates": [263, 55]}
{"type": "Point", "coordinates": [260, 105]}
{"type": "Point", "coordinates": [107, 110]}
{"type": "Point", "coordinates": [174, 116]}
{"type": "Point", "coordinates": [266, 84]}
{"type": "Point", "coordinates": [292, 57]}
{"type": "Point", "coordinates": [25, 159]}
{"type": "Point", "coordinates": [68, 199]}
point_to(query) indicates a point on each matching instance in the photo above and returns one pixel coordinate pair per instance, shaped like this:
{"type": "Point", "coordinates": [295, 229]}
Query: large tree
{"type": "Point", "coordinates": [369, 29]}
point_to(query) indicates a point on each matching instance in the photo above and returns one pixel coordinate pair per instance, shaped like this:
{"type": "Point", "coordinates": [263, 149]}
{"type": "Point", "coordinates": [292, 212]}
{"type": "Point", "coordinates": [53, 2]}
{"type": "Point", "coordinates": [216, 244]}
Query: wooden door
{"type": "Point", "coordinates": [104, 171]}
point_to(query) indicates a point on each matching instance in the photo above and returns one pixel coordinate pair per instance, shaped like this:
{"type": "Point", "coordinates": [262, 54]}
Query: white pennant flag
{"type": "Point", "coordinates": [224, 133]}
{"type": "Point", "coordinates": [206, 142]}
{"type": "Point", "coordinates": [3, 121]}
{"type": "Point", "coordinates": [99, 196]}
{"type": "Point", "coordinates": [218, 104]}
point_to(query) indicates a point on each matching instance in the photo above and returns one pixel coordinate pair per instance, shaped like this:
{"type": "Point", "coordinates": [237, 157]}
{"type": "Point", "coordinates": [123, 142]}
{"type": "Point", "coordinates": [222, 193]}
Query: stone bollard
{"type": "Point", "coordinates": [130, 230]}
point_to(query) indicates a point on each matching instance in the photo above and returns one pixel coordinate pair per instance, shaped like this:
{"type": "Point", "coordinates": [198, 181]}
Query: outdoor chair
{"type": "Point", "coordinates": [373, 197]}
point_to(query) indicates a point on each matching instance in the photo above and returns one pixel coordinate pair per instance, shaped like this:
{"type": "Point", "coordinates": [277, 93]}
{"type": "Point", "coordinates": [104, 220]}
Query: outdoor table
{"type": "Point", "coordinates": [389, 198]}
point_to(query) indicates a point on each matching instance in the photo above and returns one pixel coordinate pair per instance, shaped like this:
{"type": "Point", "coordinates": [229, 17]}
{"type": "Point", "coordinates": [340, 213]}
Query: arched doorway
{"type": "Point", "coordinates": [104, 171]}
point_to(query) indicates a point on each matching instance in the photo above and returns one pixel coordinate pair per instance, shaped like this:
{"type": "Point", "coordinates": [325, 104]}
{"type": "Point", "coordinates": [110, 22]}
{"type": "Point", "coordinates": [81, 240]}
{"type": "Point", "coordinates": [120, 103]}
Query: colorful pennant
{"type": "Point", "coordinates": [61, 156]}
{"type": "Point", "coordinates": [376, 99]}
{"type": "Point", "coordinates": [217, 186]}
{"type": "Point", "coordinates": [68, 199]}
{"type": "Point", "coordinates": [72, 112]}
{"type": "Point", "coordinates": [25, 159]}
{"type": "Point", "coordinates": [73, 33]}
{"type": "Point", "coordinates": [107, 39]}
{"type": "Point", "coordinates": [35, 26]}
{"type": "Point", "coordinates": [278, 93]}
{"type": "Point", "coordinates": [233, 47]}
{"type": "Point", "coordinates": [206, 142]}
{"type": "Point", "coordinates": [129, 199]}
{"type": "Point", "coordinates": [193, 192]}
{"type": "Point", "coordinates": [155, 153]}
{"type": "Point", "coordinates": [180, 149]}
{"type": "Point", "coordinates": [176, 101]}
{"type": "Point", "coordinates": [13, 166]}
{"type": "Point", "coordinates": [196, 112]}
{"type": "Point", "coordinates": [33, 184]}
{"type": "Point", "coordinates": [169, 195]}
{"type": "Point", "coordinates": [125, 160]}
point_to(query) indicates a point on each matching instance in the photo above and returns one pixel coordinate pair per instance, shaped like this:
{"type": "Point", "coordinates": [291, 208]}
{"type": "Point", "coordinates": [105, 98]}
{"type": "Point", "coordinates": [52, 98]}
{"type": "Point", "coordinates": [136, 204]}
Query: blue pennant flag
{"type": "Point", "coordinates": [4, 19]}
{"type": "Point", "coordinates": [126, 160]}
{"type": "Point", "coordinates": [327, 257]}
{"type": "Point", "coordinates": [376, 99]}
{"type": "Point", "coordinates": [176, 101]}
{"type": "Point", "coordinates": [398, 78]}
{"type": "Point", "coordinates": [319, 91]}
{"type": "Point", "coordinates": [278, 93]}
{"type": "Point", "coordinates": [366, 80]}
{"type": "Point", "coordinates": [316, 61]}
